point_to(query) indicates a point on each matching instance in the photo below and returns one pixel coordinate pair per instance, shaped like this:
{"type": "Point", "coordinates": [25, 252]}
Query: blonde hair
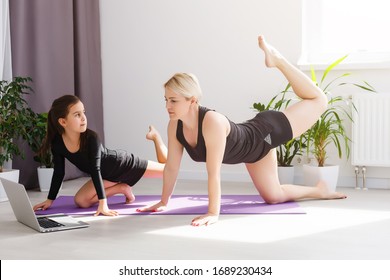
{"type": "Point", "coordinates": [186, 85]}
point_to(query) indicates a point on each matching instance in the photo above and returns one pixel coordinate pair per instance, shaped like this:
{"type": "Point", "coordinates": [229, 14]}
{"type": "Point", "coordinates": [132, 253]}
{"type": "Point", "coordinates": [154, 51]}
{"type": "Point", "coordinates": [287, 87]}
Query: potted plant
{"type": "Point", "coordinates": [15, 119]}
{"type": "Point", "coordinates": [45, 160]}
{"type": "Point", "coordinates": [329, 129]}
{"type": "Point", "coordinates": [286, 152]}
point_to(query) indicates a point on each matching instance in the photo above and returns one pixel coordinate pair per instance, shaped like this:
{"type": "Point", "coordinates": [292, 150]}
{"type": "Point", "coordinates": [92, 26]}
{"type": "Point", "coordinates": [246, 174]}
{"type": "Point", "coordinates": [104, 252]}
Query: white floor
{"type": "Point", "coordinates": [357, 228]}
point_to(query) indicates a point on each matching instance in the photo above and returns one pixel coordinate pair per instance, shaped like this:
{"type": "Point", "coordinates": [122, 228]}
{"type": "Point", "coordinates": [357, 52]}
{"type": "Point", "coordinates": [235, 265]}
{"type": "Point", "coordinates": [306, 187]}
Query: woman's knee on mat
{"type": "Point", "coordinates": [273, 197]}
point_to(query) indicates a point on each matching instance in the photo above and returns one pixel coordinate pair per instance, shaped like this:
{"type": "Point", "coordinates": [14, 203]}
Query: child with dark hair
{"type": "Point", "coordinates": [112, 172]}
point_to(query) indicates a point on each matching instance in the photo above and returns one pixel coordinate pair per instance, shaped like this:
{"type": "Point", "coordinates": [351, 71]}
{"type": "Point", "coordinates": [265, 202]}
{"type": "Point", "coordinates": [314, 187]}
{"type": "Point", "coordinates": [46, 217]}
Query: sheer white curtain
{"type": "Point", "coordinates": [5, 43]}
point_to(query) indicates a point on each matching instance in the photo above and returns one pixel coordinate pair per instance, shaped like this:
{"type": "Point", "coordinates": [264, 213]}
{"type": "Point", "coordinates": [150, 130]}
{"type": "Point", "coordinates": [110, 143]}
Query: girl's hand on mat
{"type": "Point", "coordinates": [44, 205]}
{"type": "Point", "coordinates": [205, 220]}
{"type": "Point", "coordinates": [104, 210]}
{"type": "Point", "coordinates": [158, 207]}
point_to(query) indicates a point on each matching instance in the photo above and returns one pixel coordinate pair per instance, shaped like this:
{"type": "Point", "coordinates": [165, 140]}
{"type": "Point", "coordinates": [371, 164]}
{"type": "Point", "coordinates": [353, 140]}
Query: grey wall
{"type": "Point", "coordinates": [144, 42]}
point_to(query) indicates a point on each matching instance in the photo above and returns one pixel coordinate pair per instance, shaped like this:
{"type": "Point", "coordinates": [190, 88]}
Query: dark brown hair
{"type": "Point", "coordinates": [60, 109]}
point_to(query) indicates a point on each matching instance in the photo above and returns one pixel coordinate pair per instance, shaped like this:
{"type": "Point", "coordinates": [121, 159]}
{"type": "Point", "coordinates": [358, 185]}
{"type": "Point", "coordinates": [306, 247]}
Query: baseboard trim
{"type": "Point", "coordinates": [343, 181]}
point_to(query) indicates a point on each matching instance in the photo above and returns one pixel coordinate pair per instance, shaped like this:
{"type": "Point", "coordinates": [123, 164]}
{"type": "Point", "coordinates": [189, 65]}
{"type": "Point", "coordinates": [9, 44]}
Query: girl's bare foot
{"type": "Point", "coordinates": [324, 192]}
{"type": "Point", "coordinates": [128, 193]}
{"type": "Point", "coordinates": [272, 56]}
{"type": "Point", "coordinates": [161, 149]}
{"type": "Point", "coordinates": [152, 134]}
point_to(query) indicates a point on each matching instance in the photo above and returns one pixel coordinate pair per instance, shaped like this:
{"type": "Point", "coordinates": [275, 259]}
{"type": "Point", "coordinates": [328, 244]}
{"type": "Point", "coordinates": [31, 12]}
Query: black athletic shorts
{"type": "Point", "coordinates": [281, 128]}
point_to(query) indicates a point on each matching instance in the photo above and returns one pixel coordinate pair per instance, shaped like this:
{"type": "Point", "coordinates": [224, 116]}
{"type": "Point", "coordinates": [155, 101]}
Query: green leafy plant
{"type": "Point", "coordinates": [330, 127]}
{"type": "Point", "coordinates": [35, 139]}
{"type": "Point", "coordinates": [292, 148]}
{"type": "Point", "coordinates": [16, 117]}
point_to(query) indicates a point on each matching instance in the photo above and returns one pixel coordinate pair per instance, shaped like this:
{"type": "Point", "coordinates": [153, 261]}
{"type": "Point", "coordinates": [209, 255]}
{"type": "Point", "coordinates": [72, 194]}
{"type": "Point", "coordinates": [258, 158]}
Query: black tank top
{"type": "Point", "coordinates": [244, 144]}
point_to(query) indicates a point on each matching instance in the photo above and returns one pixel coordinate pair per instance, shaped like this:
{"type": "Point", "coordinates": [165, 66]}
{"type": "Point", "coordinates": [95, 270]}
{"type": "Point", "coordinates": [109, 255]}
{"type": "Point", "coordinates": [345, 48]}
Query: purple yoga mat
{"type": "Point", "coordinates": [179, 205]}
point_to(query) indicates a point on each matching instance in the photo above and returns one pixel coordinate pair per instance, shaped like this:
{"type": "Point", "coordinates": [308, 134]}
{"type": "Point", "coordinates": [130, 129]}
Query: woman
{"type": "Point", "coordinates": [210, 137]}
{"type": "Point", "coordinates": [112, 172]}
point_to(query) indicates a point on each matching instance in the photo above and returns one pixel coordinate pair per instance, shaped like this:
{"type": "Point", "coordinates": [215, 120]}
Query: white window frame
{"type": "Point", "coordinates": [311, 38]}
{"type": "Point", "coordinates": [5, 42]}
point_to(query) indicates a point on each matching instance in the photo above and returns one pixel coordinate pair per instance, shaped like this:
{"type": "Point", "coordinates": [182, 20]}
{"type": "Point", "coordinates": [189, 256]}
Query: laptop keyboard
{"type": "Point", "coordinates": [48, 223]}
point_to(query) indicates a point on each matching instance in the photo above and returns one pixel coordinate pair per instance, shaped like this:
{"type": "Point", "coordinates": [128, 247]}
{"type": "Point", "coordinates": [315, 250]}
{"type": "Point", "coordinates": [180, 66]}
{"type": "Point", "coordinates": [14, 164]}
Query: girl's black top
{"type": "Point", "coordinates": [97, 161]}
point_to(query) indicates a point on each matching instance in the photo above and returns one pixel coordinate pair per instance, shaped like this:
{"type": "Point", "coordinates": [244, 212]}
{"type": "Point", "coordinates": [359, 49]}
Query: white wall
{"type": "Point", "coordinates": [144, 42]}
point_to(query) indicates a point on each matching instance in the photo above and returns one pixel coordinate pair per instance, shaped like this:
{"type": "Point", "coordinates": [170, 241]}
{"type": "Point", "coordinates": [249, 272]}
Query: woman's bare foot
{"type": "Point", "coordinates": [324, 192]}
{"type": "Point", "coordinates": [272, 56]}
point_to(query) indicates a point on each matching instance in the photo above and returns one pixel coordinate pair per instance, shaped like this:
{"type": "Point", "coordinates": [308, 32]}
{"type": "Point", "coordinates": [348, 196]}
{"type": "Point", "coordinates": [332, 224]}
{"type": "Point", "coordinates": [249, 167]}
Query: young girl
{"type": "Point", "coordinates": [210, 137]}
{"type": "Point", "coordinates": [112, 172]}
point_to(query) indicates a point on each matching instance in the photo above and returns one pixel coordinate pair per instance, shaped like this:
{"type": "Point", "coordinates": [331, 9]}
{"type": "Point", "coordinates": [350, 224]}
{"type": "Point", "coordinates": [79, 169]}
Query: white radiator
{"type": "Point", "coordinates": [371, 130]}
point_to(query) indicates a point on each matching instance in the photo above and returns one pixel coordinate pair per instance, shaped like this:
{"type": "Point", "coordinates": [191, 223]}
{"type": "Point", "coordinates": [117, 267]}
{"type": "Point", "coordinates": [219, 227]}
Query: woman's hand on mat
{"type": "Point", "coordinates": [205, 220]}
{"type": "Point", "coordinates": [104, 210]}
{"type": "Point", "coordinates": [158, 207]}
{"type": "Point", "coordinates": [43, 205]}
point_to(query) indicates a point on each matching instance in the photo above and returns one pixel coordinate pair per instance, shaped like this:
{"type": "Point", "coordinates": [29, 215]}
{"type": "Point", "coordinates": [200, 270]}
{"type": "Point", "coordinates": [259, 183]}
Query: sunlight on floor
{"type": "Point", "coordinates": [92, 218]}
{"type": "Point", "coordinates": [269, 228]}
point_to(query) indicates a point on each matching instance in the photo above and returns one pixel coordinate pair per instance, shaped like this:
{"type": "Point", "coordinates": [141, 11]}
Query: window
{"type": "Point", "coordinates": [334, 28]}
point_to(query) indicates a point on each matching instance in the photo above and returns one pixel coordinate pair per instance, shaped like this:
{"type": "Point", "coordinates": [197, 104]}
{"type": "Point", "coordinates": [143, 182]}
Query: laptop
{"type": "Point", "coordinates": [24, 212]}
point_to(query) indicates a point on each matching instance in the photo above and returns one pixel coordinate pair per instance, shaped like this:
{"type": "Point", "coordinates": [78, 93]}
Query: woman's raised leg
{"type": "Point", "coordinates": [306, 112]}
{"type": "Point", "coordinates": [301, 116]}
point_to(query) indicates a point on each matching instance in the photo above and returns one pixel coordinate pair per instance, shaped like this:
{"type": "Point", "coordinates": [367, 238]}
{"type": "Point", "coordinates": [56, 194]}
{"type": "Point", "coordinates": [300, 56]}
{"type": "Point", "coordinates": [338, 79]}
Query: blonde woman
{"type": "Point", "coordinates": [210, 137]}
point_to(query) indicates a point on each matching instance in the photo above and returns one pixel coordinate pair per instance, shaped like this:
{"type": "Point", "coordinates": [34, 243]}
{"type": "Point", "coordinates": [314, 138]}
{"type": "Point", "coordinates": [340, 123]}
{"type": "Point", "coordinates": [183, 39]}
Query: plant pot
{"type": "Point", "coordinates": [313, 174]}
{"type": "Point", "coordinates": [44, 178]}
{"type": "Point", "coordinates": [9, 174]}
{"type": "Point", "coordinates": [286, 174]}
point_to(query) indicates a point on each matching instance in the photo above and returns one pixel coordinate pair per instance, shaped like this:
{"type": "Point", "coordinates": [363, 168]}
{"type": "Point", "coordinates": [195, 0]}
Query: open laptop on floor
{"type": "Point", "coordinates": [24, 212]}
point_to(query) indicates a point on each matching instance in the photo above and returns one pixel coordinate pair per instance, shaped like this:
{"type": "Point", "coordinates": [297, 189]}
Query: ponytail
{"type": "Point", "coordinates": [50, 133]}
